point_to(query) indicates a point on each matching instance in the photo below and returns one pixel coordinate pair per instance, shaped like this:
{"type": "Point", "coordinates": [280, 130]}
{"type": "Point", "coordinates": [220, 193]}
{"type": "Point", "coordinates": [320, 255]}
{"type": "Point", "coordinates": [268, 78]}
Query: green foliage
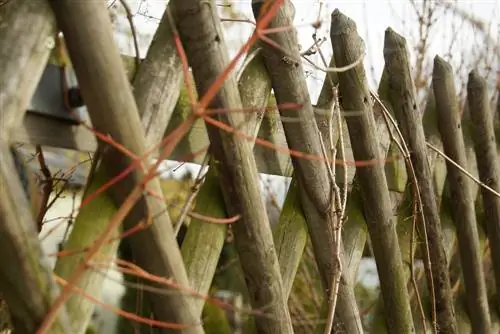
{"type": "Point", "coordinates": [215, 320]}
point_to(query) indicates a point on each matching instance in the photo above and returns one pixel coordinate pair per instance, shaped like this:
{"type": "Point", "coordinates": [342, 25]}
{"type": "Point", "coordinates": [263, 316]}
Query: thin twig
{"type": "Point", "coordinates": [314, 47]}
{"type": "Point", "coordinates": [463, 170]}
{"type": "Point", "coordinates": [412, 267]}
{"type": "Point", "coordinates": [96, 159]}
{"type": "Point", "coordinates": [57, 195]}
{"type": "Point", "coordinates": [200, 178]}
{"type": "Point", "coordinates": [224, 19]}
{"type": "Point", "coordinates": [46, 187]}
{"type": "Point", "coordinates": [130, 19]}
{"type": "Point", "coordinates": [116, 310]}
{"type": "Point", "coordinates": [336, 69]}
{"type": "Point", "coordinates": [340, 204]}
{"type": "Point", "coordinates": [403, 148]}
{"type": "Point", "coordinates": [168, 145]}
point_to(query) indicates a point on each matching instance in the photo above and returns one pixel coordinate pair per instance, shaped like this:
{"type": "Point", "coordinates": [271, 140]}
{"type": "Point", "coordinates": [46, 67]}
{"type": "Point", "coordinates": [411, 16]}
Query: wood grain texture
{"type": "Point", "coordinates": [202, 38]}
{"type": "Point", "coordinates": [23, 61]}
{"type": "Point", "coordinates": [289, 85]}
{"type": "Point", "coordinates": [203, 243]}
{"type": "Point", "coordinates": [26, 282]}
{"type": "Point", "coordinates": [488, 162]}
{"type": "Point", "coordinates": [113, 111]}
{"type": "Point", "coordinates": [463, 213]}
{"type": "Point", "coordinates": [355, 96]}
{"type": "Point", "coordinates": [403, 99]}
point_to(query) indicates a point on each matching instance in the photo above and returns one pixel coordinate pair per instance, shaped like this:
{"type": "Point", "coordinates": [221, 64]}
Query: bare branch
{"type": "Point", "coordinates": [347, 46]}
{"type": "Point", "coordinates": [87, 30]}
{"type": "Point", "coordinates": [199, 28]}
{"type": "Point", "coordinates": [403, 98]}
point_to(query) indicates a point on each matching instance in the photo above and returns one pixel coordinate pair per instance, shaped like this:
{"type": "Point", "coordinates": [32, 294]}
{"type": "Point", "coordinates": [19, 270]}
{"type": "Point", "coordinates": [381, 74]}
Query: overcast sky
{"type": "Point", "coordinates": [371, 16]}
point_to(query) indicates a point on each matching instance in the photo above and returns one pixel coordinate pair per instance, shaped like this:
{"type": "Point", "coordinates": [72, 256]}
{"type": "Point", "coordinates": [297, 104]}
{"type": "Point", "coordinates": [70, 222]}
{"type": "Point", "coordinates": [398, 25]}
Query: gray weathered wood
{"type": "Point", "coordinates": [290, 236]}
{"type": "Point", "coordinates": [202, 245]}
{"type": "Point", "coordinates": [289, 85]}
{"type": "Point", "coordinates": [355, 96]}
{"type": "Point", "coordinates": [156, 85]}
{"type": "Point", "coordinates": [200, 29]}
{"type": "Point", "coordinates": [463, 212]}
{"type": "Point", "coordinates": [439, 173]}
{"type": "Point", "coordinates": [37, 129]}
{"type": "Point", "coordinates": [488, 164]}
{"type": "Point", "coordinates": [90, 223]}
{"type": "Point", "coordinates": [402, 96]}
{"type": "Point", "coordinates": [271, 161]}
{"type": "Point", "coordinates": [203, 242]}
{"type": "Point", "coordinates": [401, 199]}
{"type": "Point", "coordinates": [354, 231]}
{"type": "Point", "coordinates": [496, 122]}
{"type": "Point", "coordinates": [113, 111]}
{"type": "Point", "coordinates": [45, 131]}
{"type": "Point", "coordinates": [26, 281]}
{"type": "Point", "coordinates": [22, 67]}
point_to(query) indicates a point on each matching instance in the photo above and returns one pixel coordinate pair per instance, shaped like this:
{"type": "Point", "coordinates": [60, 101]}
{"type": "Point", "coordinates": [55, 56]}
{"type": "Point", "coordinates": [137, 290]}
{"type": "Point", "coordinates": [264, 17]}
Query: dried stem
{"type": "Point", "coordinates": [47, 184]}
{"type": "Point", "coordinates": [463, 170]}
{"type": "Point", "coordinates": [194, 191]}
{"type": "Point", "coordinates": [130, 19]}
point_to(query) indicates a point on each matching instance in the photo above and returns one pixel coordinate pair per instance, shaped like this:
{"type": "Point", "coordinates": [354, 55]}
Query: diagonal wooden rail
{"type": "Point", "coordinates": [155, 103]}
{"type": "Point", "coordinates": [403, 100]}
{"type": "Point", "coordinates": [287, 76]}
{"type": "Point", "coordinates": [199, 29]}
{"type": "Point", "coordinates": [488, 164]}
{"type": "Point", "coordinates": [157, 85]}
{"type": "Point", "coordinates": [347, 47]}
{"type": "Point", "coordinates": [463, 214]}
{"type": "Point", "coordinates": [203, 242]}
{"type": "Point", "coordinates": [25, 277]}
{"type": "Point", "coordinates": [113, 111]}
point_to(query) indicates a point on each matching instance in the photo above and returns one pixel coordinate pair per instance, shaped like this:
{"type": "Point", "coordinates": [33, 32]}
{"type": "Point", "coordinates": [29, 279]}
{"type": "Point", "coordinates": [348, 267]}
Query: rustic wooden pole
{"type": "Point", "coordinates": [23, 58]}
{"type": "Point", "coordinates": [488, 164]}
{"type": "Point", "coordinates": [108, 96]}
{"type": "Point", "coordinates": [199, 28]}
{"type": "Point", "coordinates": [26, 281]}
{"type": "Point", "coordinates": [355, 96]}
{"type": "Point", "coordinates": [463, 212]}
{"type": "Point", "coordinates": [289, 85]}
{"type": "Point", "coordinates": [203, 242]}
{"type": "Point", "coordinates": [402, 96]}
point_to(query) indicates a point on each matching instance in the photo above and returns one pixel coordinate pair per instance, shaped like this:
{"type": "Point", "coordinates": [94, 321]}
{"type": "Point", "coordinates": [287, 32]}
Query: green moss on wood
{"type": "Point", "coordinates": [90, 224]}
{"type": "Point", "coordinates": [215, 320]}
{"type": "Point", "coordinates": [204, 240]}
{"type": "Point", "coordinates": [290, 236]}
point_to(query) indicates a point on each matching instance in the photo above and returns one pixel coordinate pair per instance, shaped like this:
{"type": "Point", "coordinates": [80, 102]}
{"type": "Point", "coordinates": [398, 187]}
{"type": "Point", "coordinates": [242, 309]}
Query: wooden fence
{"type": "Point", "coordinates": [378, 175]}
